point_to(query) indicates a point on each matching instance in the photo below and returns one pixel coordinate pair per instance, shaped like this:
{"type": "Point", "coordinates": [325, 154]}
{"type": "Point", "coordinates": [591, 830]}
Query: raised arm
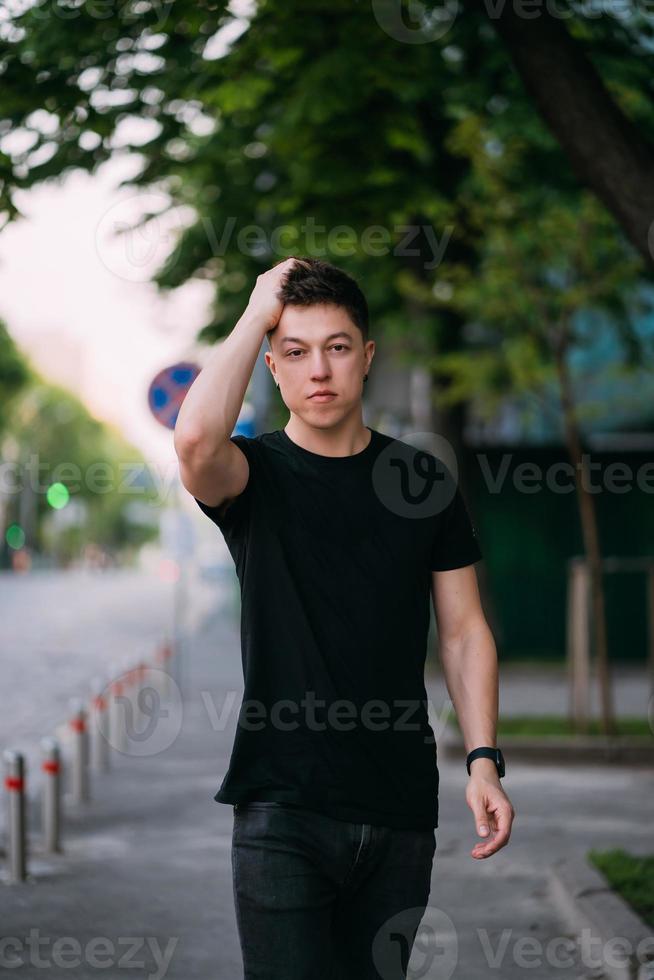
{"type": "Point", "coordinates": [212, 467]}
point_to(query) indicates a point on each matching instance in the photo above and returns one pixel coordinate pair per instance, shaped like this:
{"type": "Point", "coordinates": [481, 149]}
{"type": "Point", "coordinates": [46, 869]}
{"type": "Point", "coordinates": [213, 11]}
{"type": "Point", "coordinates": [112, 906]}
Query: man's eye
{"type": "Point", "coordinates": [333, 347]}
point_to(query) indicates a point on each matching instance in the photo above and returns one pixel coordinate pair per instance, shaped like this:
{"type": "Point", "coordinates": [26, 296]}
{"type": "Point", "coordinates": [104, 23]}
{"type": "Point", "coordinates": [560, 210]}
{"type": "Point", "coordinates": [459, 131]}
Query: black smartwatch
{"type": "Point", "coordinates": [487, 753]}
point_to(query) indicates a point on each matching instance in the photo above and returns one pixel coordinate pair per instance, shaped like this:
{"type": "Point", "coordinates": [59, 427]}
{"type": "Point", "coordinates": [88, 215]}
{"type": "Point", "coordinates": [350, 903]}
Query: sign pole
{"type": "Point", "coordinates": [179, 639]}
{"type": "Point", "coordinates": [166, 393]}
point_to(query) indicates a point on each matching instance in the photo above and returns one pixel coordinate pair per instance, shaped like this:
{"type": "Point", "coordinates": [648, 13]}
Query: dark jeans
{"type": "Point", "coordinates": [323, 899]}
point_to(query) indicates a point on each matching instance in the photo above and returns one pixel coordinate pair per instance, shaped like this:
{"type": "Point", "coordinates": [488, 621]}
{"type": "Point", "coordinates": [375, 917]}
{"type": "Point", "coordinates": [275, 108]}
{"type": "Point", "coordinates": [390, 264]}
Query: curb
{"type": "Point", "coordinates": [585, 900]}
{"type": "Point", "coordinates": [564, 749]}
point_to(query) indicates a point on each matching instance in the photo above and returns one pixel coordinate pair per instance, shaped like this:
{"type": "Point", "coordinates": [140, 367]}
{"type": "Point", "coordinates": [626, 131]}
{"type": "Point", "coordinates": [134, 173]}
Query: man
{"type": "Point", "coordinates": [339, 534]}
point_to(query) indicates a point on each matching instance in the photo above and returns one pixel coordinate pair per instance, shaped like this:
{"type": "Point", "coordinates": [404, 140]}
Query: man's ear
{"type": "Point", "coordinates": [267, 361]}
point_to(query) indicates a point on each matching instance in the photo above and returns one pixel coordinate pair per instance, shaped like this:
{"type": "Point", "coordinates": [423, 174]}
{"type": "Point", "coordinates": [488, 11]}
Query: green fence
{"type": "Point", "coordinates": [527, 538]}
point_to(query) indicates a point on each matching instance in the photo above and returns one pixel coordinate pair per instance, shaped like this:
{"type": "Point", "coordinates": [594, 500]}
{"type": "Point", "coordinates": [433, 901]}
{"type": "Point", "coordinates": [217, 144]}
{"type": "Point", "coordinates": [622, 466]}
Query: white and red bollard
{"type": "Point", "coordinates": [16, 828]}
{"type": "Point", "coordinates": [163, 662]}
{"type": "Point", "coordinates": [131, 672]}
{"type": "Point", "coordinates": [143, 680]}
{"type": "Point", "coordinates": [98, 726]}
{"type": "Point", "coordinates": [51, 799]}
{"type": "Point", "coordinates": [117, 714]}
{"type": "Point", "coordinates": [80, 754]}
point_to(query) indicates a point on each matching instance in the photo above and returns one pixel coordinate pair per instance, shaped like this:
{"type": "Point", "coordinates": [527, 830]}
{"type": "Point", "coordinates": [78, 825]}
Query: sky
{"type": "Point", "coordinates": [75, 296]}
{"type": "Point", "coordinates": [76, 299]}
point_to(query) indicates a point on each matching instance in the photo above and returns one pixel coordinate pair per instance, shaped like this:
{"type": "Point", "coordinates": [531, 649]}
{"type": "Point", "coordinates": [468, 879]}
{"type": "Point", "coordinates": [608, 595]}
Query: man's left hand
{"type": "Point", "coordinates": [492, 810]}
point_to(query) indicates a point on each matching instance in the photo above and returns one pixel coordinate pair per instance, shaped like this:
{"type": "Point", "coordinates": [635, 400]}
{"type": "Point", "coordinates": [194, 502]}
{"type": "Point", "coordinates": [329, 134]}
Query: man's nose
{"type": "Point", "coordinates": [320, 367]}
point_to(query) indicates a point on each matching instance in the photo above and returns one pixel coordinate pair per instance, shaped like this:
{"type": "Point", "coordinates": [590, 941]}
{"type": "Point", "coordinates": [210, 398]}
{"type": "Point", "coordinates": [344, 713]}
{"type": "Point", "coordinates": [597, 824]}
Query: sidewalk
{"type": "Point", "coordinates": [147, 870]}
{"type": "Point", "coordinates": [148, 858]}
{"type": "Point", "coordinates": [543, 689]}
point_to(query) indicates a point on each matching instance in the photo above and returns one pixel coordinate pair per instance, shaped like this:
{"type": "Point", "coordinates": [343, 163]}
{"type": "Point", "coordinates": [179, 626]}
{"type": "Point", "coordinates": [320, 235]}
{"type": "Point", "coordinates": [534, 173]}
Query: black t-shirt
{"type": "Point", "coordinates": [334, 556]}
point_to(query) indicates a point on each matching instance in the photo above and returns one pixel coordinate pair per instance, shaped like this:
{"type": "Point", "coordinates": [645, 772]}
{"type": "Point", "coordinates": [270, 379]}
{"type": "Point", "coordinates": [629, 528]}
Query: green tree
{"type": "Point", "coordinates": [317, 111]}
{"type": "Point", "coordinates": [53, 439]}
{"type": "Point", "coordinates": [14, 375]}
{"type": "Point", "coordinates": [546, 265]}
{"type": "Point", "coordinates": [324, 63]}
{"type": "Point", "coordinates": [559, 55]}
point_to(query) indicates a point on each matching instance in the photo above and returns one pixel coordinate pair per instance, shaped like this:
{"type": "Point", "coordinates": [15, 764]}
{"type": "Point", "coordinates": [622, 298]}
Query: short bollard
{"type": "Point", "coordinates": [16, 842]}
{"type": "Point", "coordinates": [51, 800]}
{"type": "Point", "coordinates": [162, 658]}
{"type": "Point", "coordinates": [171, 661]}
{"type": "Point", "coordinates": [141, 683]}
{"type": "Point", "coordinates": [132, 708]}
{"type": "Point", "coordinates": [80, 753]}
{"type": "Point", "coordinates": [117, 714]}
{"type": "Point", "coordinates": [98, 726]}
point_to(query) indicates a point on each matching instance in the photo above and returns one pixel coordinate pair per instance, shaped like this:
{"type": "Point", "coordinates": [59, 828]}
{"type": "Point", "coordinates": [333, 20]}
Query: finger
{"type": "Point", "coordinates": [504, 819]}
{"type": "Point", "coordinates": [482, 819]}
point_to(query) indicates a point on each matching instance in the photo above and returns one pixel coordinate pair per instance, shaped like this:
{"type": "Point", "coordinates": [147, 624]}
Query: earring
{"type": "Point", "coordinates": [365, 377]}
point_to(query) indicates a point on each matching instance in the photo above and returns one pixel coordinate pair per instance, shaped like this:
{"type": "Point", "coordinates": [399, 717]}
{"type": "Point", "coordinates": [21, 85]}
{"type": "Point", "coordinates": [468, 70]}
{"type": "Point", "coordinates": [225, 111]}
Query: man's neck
{"type": "Point", "coordinates": [351, 437]}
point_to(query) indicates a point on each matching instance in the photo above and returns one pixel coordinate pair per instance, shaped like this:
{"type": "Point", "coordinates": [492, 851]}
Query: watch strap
{"type": "Point", "coordinates": [487, 752]}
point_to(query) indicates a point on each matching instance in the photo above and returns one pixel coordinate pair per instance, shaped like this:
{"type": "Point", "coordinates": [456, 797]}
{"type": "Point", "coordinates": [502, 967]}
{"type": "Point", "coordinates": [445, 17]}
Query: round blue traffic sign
{"type": "Point", "coordinates": [168, 390]}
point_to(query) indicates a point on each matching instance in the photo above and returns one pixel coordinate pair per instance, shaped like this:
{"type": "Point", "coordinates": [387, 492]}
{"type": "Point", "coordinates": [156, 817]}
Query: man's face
{"type": "Point", "coordinates": [314, 348]}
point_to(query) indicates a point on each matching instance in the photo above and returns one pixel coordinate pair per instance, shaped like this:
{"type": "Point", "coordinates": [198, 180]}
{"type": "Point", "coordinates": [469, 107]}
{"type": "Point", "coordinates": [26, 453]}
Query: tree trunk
{"type": "Point", "coordinates": [607, 151]}
{"type": "Point", "coordinates": [590, 534]}
{"type": "Point", "coordinates": [449, 421]}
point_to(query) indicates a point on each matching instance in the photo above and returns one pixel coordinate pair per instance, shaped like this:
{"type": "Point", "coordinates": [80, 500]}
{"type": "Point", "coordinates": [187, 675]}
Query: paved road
{"type": "Point", "coordinates": [149, 859]}
{"type": "Point", "coordinates": [60, 629]}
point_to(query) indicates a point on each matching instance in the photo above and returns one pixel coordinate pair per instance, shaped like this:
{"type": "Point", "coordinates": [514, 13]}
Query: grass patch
{"type": "Point", "coordinates": [537, 725]}
{"type": "Point", "coordinates": [631, 876]}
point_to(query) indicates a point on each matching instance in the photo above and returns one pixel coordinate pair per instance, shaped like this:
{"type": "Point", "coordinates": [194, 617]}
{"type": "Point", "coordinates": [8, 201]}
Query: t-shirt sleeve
{"type": "Point", "coordinates": [455, 542]}
{"type": "Point", "coordinates": [231, 514]}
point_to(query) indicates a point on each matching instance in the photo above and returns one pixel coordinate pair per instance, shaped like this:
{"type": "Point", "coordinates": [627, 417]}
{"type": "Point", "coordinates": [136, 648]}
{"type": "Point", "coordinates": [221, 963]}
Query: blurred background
{"type": "Point", "coordinates": [155, 161]}
{"type": "Point", "coordinates": [488, 179]}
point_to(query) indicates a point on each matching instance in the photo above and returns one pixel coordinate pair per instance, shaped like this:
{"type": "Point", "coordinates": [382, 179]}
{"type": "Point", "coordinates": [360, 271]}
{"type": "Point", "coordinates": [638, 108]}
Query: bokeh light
{"type": "Point", "coordinates": [57, 495]}
{"type": "Point", "coordinates": [15, 536]}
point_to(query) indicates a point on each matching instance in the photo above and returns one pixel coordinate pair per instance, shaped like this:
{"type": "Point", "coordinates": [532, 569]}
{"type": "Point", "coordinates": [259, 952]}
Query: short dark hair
{"type": "Point", "coordinates": [310, 281]}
